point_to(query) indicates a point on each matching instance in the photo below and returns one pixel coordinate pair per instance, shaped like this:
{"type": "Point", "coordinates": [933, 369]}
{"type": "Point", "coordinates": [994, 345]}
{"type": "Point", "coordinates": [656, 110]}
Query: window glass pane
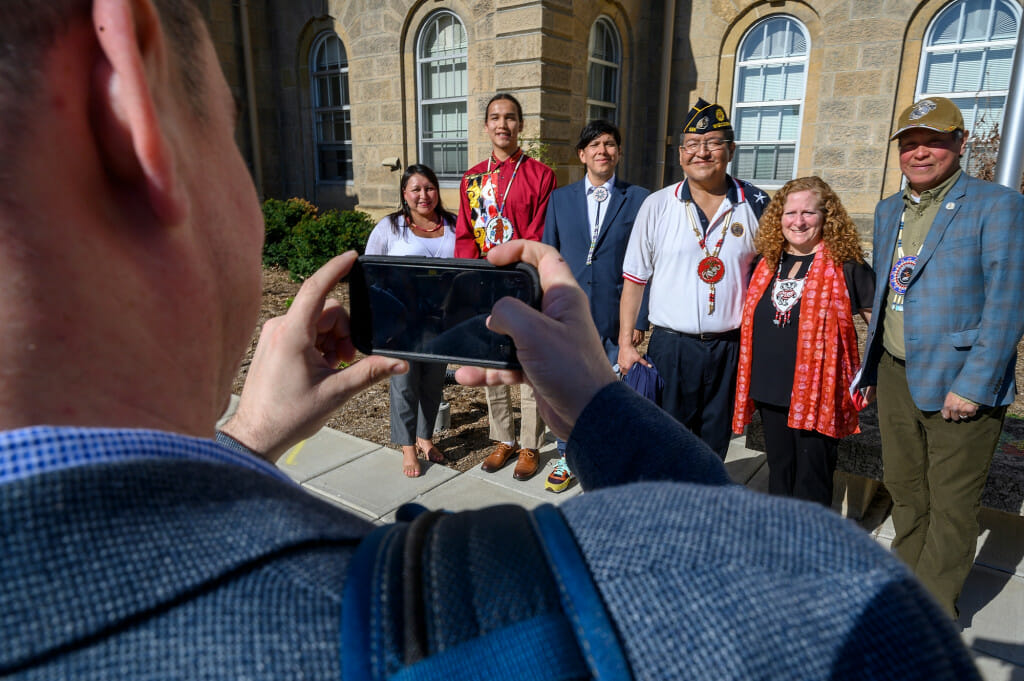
{"type": "Point", "coordinates": [595, 111]}
{"type": "Point", "coordinates": [765, 85]}
{"type": "Point", "coordinates": [769, 124]}
{"type": "Point", "coordinates": [446, 158]}
{"type": "Point", "coordinates": [330, 55]}
{"type": "Point", "coordinates": [799, 43]}
{"type": "Point", "coordinates": [790, 123]}
{"type": "Point", "coordinates": [602, 86]}
{"type": "Point", "coordinates": [745, 123]}
{"type": "Point", "coordinates": [981, 115]}
{"type": "Point", "coordinates": [764, 164]}
{"type": "Point", "coordinates": [778, 38]}
{"type": "Point", "coordinates": [332, 123]}
{"type": "Point", "coordinates": [785, 161]}
{"type": "Point", "coordinates": [938, 73]}
{"type": "Point", "coordinates": [946, 30]}
{"type": "Point", "coordinates": [335, 163]}
{"type": "Point", "coordinates": [998, 70]}
{"type": "Point", "coordinates": [603, 70]}
{"type": "Point", "coordinates": [795, 85]}
{"type": "Point", "coordinates": [753, 44]}
{"type": "Point", "coordinates": [968, 72]}
{"type": "Point", "coordinates": [1005, 25]}
{"type": "Point", "coordinates": [443, 37]}
{"type": "Point", "coordinates": [743, 164]}
{"type": "Point", "coordinates": [445, 120]}
{"type": "Point", "coordinates": [749, 84]}
{"type": "Point", "coordinates": [444, 79]}
{"type": "Point", "coordinates": [774, 83]}
{"type": "Point", "coordinates": [976, 16]}
{"type": "Point", "coordinates": [442, 89]}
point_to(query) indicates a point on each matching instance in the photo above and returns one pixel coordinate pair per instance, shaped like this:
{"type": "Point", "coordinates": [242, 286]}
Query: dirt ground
{"type": "Point", "coordinates": [466, 443]}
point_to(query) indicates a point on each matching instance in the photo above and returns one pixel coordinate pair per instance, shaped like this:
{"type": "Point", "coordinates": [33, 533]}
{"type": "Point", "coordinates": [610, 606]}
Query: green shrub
{"type": "Point", "coordinates": [280, 218]}
{"type": "Point", "coordinates": [301, 239]}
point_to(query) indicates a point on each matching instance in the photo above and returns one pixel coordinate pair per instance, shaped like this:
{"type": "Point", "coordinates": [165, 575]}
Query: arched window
{"type": "Point", "coordinates": [968, 57]}
{"type": "Point", "coordinates": [771, 77]}
{"type": "Point", "coordinates": [332, 116]}
{"type": "Point", "coordinates": [603, 64]}
{"type": "Point", "coordinates": [441, 94]}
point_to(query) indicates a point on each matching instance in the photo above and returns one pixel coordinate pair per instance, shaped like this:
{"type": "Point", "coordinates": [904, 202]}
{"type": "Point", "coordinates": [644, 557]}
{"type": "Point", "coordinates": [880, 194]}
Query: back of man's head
{"type": "Point", "coordinates": [28, 28]}
{"type": "Point", "coordinates": [120, 174]}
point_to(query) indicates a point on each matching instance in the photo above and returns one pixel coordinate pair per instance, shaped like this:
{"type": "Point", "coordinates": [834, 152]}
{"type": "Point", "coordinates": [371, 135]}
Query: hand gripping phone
{"type": "Point", "coordinates": [435, 309]}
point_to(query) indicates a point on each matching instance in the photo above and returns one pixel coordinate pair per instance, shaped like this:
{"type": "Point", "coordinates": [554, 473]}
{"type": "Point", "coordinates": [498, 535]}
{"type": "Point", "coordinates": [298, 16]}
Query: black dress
{"type": "Point", "coordinates": [801, 463]}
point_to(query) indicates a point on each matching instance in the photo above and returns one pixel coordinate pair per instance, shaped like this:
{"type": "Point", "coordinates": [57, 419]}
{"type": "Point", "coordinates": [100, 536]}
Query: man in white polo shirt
{"type": "Point", "coordinates": [693, 243]}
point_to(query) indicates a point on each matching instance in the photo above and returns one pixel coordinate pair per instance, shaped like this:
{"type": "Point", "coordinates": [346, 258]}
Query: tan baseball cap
{"type": "Point", "coordinates": [934, 113]}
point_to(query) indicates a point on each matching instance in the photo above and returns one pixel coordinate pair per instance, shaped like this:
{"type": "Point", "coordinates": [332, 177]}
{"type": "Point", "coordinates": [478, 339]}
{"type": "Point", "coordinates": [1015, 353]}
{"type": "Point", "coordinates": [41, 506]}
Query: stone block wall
{"type": "Point", "coordinates": [862, 71]}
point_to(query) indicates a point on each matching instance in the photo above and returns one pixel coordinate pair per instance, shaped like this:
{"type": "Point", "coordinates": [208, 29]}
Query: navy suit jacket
{"type": "Point", "coordinates": [962, 312]}
{"type": "Point", "coordinates": [568, 229]}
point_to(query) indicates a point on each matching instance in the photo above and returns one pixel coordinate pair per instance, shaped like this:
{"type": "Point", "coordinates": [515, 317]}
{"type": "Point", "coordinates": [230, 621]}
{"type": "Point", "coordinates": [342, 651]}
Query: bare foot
{"type": "Point", "coordinates": [432, 453]}
{"type": "Point", "coordinates": [410, 463]}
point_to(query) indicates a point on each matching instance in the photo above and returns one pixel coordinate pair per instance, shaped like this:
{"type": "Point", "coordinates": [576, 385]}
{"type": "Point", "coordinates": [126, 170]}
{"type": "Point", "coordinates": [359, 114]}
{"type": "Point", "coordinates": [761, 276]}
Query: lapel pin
{"type": "Point", "coordinates": [950, 206]}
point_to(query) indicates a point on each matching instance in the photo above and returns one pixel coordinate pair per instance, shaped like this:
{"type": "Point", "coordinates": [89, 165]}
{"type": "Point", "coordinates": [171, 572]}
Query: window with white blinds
{"type": "Point", "coordinates": [771, 78]}
{"type": "Point", "coordinates": [967, 57]}
{"type": "Point", "coordinates": [442, 87]}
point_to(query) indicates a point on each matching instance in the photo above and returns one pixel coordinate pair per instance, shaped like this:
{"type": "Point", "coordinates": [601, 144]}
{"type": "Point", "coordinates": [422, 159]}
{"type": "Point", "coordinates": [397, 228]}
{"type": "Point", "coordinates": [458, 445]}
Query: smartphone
{"type": "Point", "coordinates": [435, 309]}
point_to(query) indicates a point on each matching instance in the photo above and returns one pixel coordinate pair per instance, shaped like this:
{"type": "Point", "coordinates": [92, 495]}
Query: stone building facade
{"type": "Point", "coordinates": [341, 95]}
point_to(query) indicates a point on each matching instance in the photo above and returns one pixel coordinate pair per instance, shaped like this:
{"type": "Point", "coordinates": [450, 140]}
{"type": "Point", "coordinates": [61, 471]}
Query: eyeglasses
{"type": "Point", "coordinates": [714, 144]}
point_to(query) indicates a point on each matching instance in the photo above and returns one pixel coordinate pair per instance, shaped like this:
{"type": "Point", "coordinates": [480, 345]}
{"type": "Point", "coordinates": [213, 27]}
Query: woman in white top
{"type": "Point", "coordinates": [420, 227]}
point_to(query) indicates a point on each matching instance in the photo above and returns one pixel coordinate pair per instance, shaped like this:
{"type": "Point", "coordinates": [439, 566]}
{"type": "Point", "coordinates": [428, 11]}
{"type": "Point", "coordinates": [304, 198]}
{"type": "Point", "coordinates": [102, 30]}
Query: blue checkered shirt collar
{"type": "Point", "coordinates": [42, 449]}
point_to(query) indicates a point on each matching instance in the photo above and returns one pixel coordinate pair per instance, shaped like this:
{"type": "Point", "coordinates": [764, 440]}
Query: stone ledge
{"type": "Point", "coordinates": [860, 456]}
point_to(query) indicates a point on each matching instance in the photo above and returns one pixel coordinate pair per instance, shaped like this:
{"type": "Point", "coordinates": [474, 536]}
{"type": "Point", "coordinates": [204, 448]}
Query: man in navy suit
{"type": "Point", "coordinates": [589, 223]}
{"type": "Point", "coordinates": [941, 347]}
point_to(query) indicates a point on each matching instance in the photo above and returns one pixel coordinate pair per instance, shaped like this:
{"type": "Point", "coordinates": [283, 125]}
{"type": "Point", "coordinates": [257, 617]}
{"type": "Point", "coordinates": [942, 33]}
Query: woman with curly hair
{"type": "Point", "coordinates": [798, 347]}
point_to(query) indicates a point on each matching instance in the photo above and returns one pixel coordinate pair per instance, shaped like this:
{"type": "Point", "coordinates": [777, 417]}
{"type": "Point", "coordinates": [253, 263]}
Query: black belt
{"type": "Point", "coordinates": [733, 334]}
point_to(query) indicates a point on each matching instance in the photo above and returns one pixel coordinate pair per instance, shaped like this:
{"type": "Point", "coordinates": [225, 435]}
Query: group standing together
{"type": "Point", "coordinates": [752, 302]}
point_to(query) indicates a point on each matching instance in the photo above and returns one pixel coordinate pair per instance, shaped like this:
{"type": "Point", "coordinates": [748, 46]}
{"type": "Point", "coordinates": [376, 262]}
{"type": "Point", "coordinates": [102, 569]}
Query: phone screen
{"type": "Point", "coordinates": [436, 309]}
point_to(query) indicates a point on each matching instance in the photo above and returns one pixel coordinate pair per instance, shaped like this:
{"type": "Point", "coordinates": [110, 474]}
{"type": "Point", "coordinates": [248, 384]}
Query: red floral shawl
{"type": "Point", "coordinates": [827, 357]}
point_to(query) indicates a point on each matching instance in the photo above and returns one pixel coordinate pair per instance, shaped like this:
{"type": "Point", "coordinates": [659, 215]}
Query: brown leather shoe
{"type": "Point", "coordinates": [527, 465]}
{"type": "Point", "coordinates": [499, 457]}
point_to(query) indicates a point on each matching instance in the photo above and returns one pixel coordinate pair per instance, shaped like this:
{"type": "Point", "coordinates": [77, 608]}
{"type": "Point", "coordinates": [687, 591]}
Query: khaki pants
{"type": "Point", "coordinates": [935, 471]}
{"type": "Point", "coordinates": [503, 427]}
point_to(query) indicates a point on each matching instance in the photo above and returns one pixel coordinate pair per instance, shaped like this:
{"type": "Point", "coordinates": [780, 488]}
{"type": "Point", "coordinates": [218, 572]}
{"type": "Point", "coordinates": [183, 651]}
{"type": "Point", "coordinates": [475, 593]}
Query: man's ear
{"type": "Point", "coordinates": [132, 72]}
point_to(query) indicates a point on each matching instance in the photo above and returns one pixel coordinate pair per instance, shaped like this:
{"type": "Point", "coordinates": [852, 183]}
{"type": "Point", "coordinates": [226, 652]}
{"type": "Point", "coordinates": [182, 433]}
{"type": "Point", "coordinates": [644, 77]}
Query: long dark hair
{"type": "Point", "coordinates": [403, 207]}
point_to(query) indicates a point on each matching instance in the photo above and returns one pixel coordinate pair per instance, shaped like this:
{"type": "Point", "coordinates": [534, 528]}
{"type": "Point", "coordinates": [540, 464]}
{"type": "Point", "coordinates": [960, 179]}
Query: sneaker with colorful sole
{"type": "Point", "coordinates": [560, 478]}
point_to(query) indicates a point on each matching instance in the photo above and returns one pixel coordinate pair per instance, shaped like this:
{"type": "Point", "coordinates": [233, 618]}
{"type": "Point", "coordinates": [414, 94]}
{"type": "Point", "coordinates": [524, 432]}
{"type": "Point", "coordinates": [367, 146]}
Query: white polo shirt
{"type": "Point", "coordinates": [664, 252]}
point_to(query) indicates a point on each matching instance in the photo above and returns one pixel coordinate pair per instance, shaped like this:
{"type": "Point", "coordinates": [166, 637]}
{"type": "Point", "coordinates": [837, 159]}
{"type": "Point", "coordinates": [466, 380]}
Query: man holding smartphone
{"type": "Point", "coordinates": [503, 198]}
{"type": "Point", "coordinates": [589, 222]}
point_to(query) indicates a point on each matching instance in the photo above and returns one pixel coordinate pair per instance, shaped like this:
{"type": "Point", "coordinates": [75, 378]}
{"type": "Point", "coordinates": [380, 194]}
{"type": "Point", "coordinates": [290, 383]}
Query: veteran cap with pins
{"type": "Point", "coordinates": [705, 117]}
{"type": "Point", "coordinates": [932, 113]}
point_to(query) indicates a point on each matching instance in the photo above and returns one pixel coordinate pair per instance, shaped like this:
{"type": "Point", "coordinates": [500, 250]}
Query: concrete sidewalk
{"type": "Point", "coordinates": [367, 479]}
